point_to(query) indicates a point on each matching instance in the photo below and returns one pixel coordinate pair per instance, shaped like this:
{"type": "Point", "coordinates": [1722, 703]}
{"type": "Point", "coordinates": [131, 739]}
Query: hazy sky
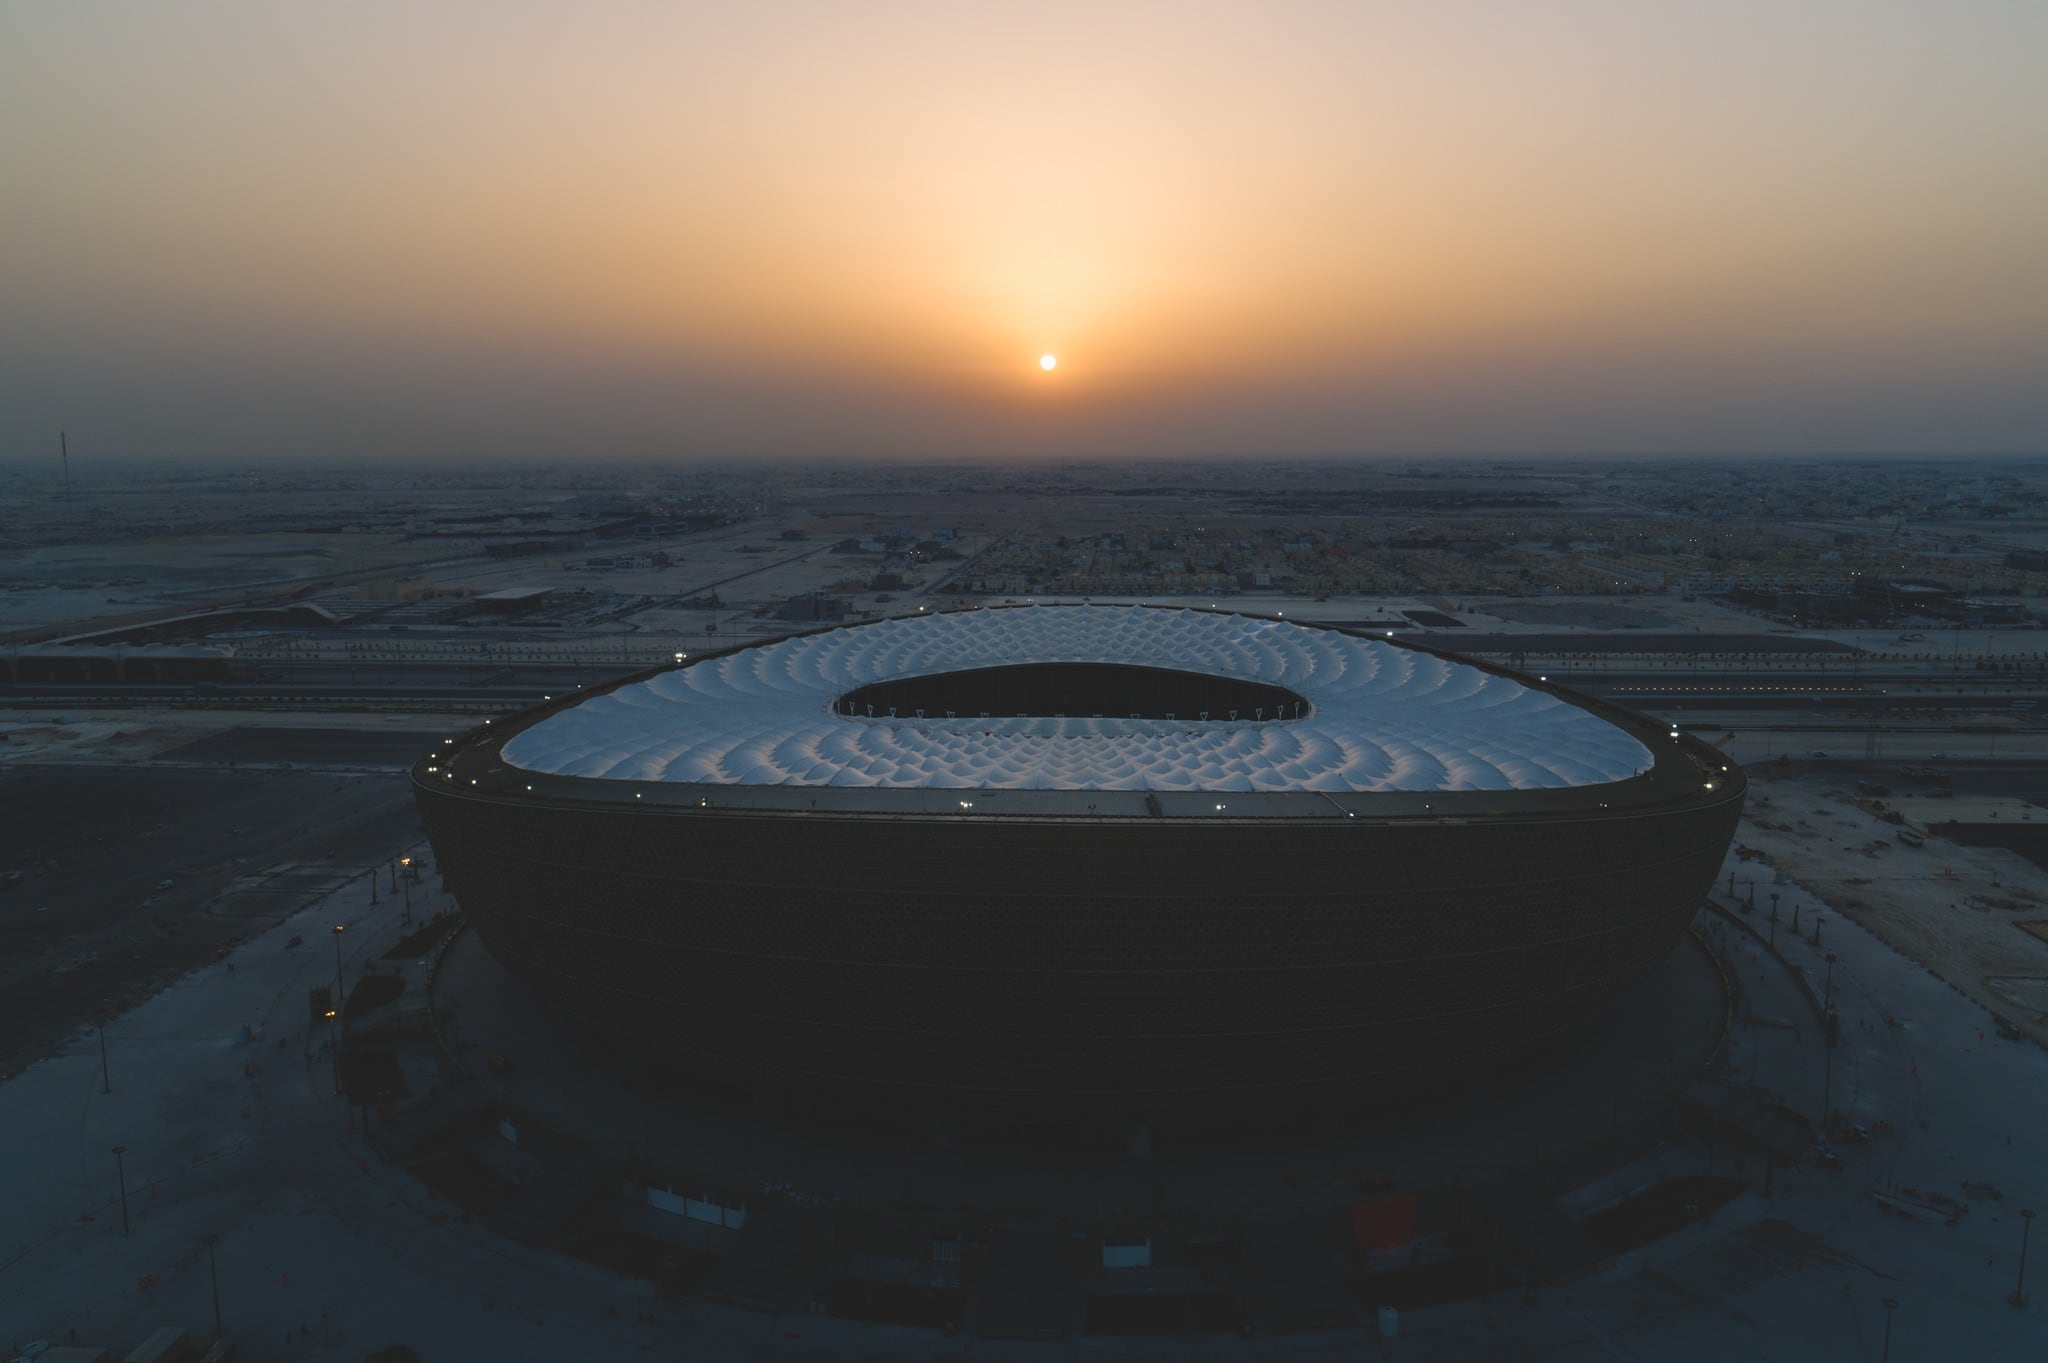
{"type": "Point", "coordinates": [677, 229]}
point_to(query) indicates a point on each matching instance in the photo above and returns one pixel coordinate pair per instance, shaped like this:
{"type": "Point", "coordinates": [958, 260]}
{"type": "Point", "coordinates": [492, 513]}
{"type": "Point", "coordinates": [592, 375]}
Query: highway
{"type": "Point", "coordinates": [1814, 698]}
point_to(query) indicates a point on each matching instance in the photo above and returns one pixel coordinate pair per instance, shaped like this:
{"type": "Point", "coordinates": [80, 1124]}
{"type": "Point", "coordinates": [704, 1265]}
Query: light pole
{"type": "Point", "coordinates": [1827, 1041]}
{"type": "Point", "coordinates": [99, 1020]}
{"type": "Point", "coordinates": [406, 863]}
{"type": "Point", "coordinates": [1891, 1304]}
{"type": "Point", "coordinates": [213, 1271]}
{"type": "Point", "coordinates": [2019, 1291]}
{"type": "Point", "coordinates": [337, 965]}
{"type": "Point", "coordinates": [1774, 922]}
{"type": "Point", "coordinates": [1827, 1091]}
{"type": "Point", "coordinates": [1818, 919]}
{"type": "Point", "coordinates": [121, 1173]}
{"type": "Point", "coordinates": [334, 1051]}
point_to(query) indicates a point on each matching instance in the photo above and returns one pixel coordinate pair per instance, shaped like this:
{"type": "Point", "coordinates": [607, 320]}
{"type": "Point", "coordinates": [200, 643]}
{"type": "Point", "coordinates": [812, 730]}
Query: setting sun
{"type": "Point", "coordinates": [751, 236]}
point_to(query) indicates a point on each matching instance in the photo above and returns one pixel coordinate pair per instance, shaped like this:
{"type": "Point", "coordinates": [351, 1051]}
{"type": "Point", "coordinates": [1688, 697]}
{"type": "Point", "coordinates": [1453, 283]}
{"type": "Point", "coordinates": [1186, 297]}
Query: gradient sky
{"type": "Point", "coordinates": [679, 230]}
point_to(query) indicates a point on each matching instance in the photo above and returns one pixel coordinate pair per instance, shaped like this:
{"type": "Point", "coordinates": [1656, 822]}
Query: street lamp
{"type": "Point", "coordinates": [406, 862]}
{"type": "Point", "coordinates": [99, 1020]}
{"type": "Point", "coordinates": [1774, 922]}
{"type": "Point", "coordinates": [1891, 1304]}
{"type": "Point", "coordinates": [1827, 1039]}
{"type": "Point", "coordinates": [337, 965]}
{"type": "Point", "coordinates": [334, 1052]}
{"type": "Point", "coordinates": [2019, 1291]}
{"type": "Point", "coordinates": [213, 1271]}
{"type": "Point", "coordinates": [1827, 993]}
{"type": "Point", "coordinates": [121, 1173]}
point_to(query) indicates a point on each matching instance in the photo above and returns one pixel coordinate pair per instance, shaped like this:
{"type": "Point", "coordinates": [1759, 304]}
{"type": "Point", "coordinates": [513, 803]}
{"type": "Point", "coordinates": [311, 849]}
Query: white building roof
{"type": "Point", "coordinates": [1383, 718]}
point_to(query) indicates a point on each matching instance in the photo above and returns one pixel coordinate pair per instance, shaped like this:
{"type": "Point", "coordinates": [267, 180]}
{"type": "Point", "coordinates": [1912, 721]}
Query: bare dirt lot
{"type": "Point", "coordinates": [119, 878]}
{"type": "Point", "coordinates": [1961, 911]}
{"type": "Point", "coordinates": [1582, 614]}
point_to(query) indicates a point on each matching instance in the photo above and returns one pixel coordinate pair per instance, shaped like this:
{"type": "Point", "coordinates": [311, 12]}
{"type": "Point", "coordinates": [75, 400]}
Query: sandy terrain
{"type": "Point", "coordinates": [1955, 909]}
{"type": "Point", "coordinates": [101, 736]}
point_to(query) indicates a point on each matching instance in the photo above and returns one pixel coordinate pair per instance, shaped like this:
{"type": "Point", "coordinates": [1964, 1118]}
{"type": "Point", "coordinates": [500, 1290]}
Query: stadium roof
{"type": "Point", "coordinates": [1382, 717]}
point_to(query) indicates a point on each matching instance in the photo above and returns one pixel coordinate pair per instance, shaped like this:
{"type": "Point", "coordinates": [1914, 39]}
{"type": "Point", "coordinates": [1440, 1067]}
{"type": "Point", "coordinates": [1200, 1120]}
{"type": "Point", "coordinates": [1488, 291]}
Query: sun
{"type": "Point", "coordinates": [1047, 361]}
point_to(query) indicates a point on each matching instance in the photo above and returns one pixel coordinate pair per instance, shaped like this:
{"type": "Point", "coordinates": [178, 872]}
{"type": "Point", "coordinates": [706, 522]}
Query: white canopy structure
{"type": "Point", "coordinates": [1377, 717]}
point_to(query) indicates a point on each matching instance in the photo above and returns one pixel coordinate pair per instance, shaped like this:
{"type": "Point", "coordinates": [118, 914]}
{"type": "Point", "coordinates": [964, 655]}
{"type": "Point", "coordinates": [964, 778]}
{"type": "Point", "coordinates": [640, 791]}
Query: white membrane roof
{"type": "Point", "coordinates": [1382, 718]}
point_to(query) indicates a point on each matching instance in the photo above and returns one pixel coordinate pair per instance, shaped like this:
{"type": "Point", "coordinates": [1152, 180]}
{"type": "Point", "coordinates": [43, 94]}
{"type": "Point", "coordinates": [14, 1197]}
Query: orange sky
{"type": "Point", "coordinates": [392, 230]}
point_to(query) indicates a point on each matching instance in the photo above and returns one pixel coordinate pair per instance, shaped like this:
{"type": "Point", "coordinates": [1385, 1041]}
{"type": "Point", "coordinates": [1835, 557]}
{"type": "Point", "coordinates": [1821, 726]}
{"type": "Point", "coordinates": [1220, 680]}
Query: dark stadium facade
{"type": "Point", "coordinates": [1113, 954]}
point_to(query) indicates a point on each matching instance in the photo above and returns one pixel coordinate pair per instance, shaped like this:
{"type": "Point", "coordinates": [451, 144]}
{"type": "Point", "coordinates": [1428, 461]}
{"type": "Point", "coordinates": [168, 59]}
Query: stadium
{"type": "Point", "coordinates": [1078, 862]}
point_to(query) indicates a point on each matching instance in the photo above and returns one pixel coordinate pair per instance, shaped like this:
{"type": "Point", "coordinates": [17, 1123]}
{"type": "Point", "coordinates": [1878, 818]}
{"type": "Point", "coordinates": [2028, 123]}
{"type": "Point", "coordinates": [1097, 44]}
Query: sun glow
{"type": "Point", "coordinates": [749, 235]}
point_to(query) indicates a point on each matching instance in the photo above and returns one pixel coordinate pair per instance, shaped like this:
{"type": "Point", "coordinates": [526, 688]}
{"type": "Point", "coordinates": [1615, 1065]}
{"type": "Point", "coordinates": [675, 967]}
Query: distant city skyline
{"type": "Point", "coordinates": [720, 232]}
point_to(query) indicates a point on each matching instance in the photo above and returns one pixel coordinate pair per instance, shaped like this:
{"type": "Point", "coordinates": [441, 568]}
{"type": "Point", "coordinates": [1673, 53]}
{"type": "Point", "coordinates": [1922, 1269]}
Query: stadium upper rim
{"type": "Point", "coordinates": [1371, 717]}
{"type": "Point", "coordinates": [1684, 772]}
{"type": "Point", "coordinates": [1377, 717]}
